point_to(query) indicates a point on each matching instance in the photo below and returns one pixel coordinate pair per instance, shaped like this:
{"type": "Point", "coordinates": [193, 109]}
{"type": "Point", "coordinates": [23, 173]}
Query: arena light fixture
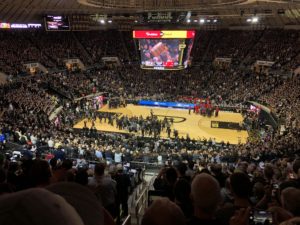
{"type": "Point", "coordinates": [102, 21]}
{"type": "Point", "coordinates": [195, 21]}
{"type": "Point", "coordinates": [249, 20]}
{"type": "Point", "coordinates": [109, 21]}
{"type": "Point", "coordinates": [188, 20]}
{"type": "Point", "coordinates": [208, 21]}
{"type": "Point", "coordinates": [215, 20]}
{"type": "Point", "coordinates": [202, 21]}
{"type": "Point", "coordinates": [255, 19]}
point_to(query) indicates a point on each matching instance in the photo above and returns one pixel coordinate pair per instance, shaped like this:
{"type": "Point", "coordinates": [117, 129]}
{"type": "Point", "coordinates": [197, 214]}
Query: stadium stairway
{"type": "Point", "coordinates": [55, 113]}
{"type": "Point", "coordinates": [207, 48]}
{"type": "Point", "coordinates": [85, 52]}
{"type": "Point", "coordinates": [51, 90]}
{"type": "Point", "coordinates": [138, 201]}
{"type": "Point", "coordinates": [293, 57]}
{"type": "Point", "coordinates": [124, 46]}
{"type": "Point", "coordinates": [51, 60]}
{"type": "Point", "coordinates": [1, 113]}
{"type": "Point", "coordinates": [256, 42]}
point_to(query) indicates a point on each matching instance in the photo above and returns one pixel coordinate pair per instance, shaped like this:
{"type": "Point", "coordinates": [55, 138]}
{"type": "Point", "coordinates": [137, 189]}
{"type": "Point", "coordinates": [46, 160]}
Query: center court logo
{"type": "Point", "coordinates": [176, 119]}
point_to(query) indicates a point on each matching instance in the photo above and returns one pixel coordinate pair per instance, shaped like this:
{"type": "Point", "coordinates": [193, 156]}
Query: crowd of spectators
{"type": "Point", "coordinates": [232, 177]}
{"type": "Point", "coordinates": [58, 46]}
{"type": "Point", "coordinates": [136, 86]}
{"type": "Point", "coordinates": [276, 48]}
{"type": "Point", "coordinates": [17, 49]}
{"type": "Point", "coordinates": [285, 101]}
{"type": "Point", "coordinates": [104, 43]}
{"type": "Point", "coordinates": [243, 193]}
{"type": "Point", "coordinates": [223, 46]}
{"type": "Point", "coordinates": [51, 49]}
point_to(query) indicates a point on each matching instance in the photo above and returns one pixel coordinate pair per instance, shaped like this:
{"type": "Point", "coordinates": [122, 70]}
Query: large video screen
{"type": "Point", "coordinates": [165, 50]}
{"type": "Point", "coordinates": [57, 23]}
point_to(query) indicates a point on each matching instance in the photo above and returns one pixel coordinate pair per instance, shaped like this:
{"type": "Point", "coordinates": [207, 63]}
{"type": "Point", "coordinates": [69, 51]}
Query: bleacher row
{"type": "Point", "coordinates": [50, 49]}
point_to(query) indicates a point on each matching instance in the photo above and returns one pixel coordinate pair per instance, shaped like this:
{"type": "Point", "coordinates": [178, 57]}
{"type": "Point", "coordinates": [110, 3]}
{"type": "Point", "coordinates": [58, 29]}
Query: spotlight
{"type": "Point", "coordinates": [135, 21]}
{"type": "Point", "coordinates": [254, 19]}
{"type": "Point", "coordinates": [249, 20]}
{"type": "Point", "coordinates": [215, 20]}
{"type": "Point", "coordinates": [109, 21]}
{"type": "Point", "coordinates": [208, 21]}
{"type": "Point", "coordinates": [188, 21]}
{"type": "Point", "coordinates": [102, 21]}
{"type": "Point", "coordinates": [195, 21]}
{"type": "Point", "coordinates": [202, 20]}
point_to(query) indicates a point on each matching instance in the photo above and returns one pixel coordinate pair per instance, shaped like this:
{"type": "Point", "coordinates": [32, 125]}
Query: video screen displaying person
{"type": "Point", "coordinates": [159, 52]}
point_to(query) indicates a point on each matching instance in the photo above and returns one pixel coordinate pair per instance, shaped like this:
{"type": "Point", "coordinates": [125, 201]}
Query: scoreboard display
{"type": "Point", "coordinates": [165, 49]}
{"type": "Point", "coordinates": [57, 23]}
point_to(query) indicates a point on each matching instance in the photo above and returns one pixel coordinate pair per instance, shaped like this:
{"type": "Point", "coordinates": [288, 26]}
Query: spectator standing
{"type": "Point", "coordinates": [123, 186]}
{"type": "Point", "coordinates": [105, 189]}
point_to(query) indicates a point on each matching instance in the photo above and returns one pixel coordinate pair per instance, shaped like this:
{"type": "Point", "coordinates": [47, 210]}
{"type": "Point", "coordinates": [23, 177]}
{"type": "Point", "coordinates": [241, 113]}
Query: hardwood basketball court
{"type": "Point", "coordinates": [196, 126]}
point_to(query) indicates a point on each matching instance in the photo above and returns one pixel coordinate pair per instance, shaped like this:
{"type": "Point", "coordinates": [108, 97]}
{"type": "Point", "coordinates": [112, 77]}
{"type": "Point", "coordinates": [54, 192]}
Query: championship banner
{"type": "Point", "coordinates": [164, 34]}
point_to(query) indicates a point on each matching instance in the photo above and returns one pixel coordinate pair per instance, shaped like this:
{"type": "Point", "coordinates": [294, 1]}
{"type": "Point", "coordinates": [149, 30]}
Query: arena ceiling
{"type": "Point", "coordinates": [229, 10]}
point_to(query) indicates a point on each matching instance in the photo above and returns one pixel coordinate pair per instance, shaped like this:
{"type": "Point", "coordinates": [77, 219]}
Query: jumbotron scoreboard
{"type": "Point", "coordinates": [165, 49]}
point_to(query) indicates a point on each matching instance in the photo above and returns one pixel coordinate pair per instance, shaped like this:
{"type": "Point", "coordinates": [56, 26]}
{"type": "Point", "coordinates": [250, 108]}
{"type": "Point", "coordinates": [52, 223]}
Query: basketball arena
{"type": "Point", "coordinates": [150, 112]}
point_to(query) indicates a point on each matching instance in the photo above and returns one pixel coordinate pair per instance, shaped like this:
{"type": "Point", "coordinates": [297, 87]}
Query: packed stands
{"type": "Point", "coordinates": [107, 167]}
